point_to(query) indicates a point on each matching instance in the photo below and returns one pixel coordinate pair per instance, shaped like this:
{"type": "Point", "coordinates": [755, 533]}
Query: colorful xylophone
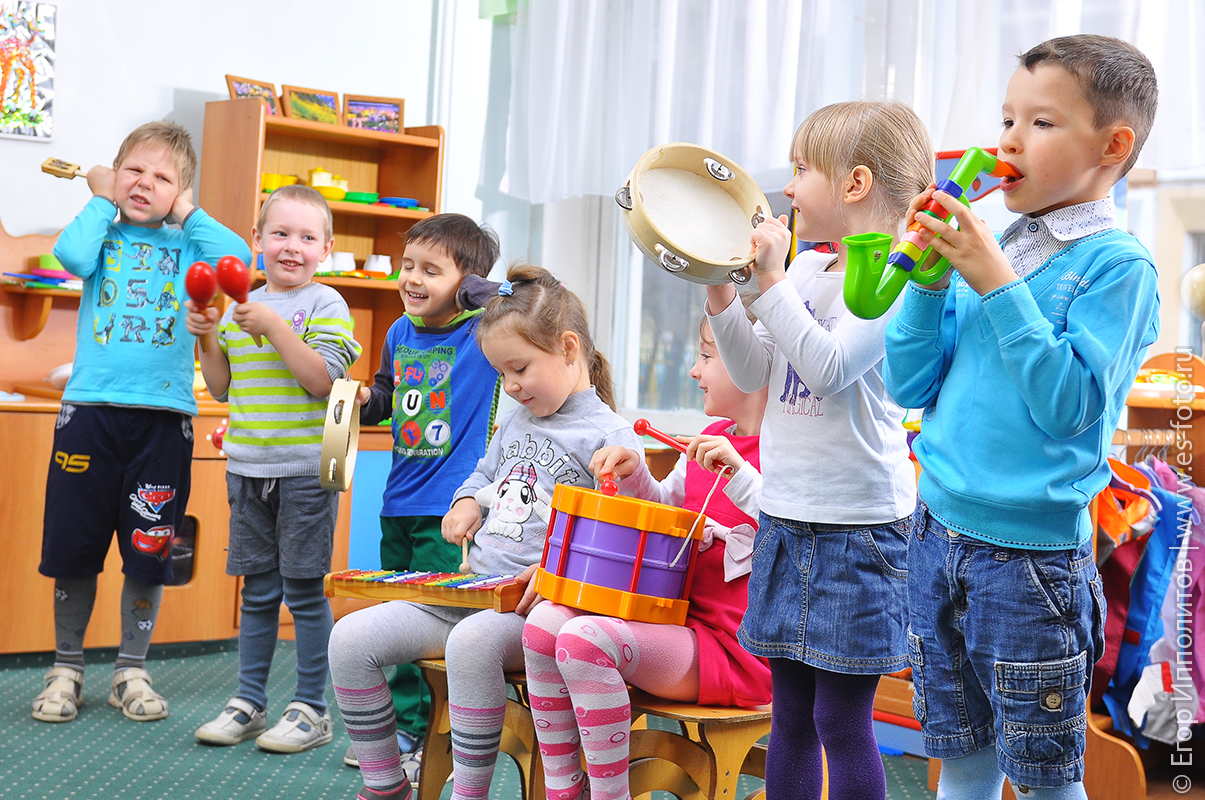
{"type": "Point", "coordinates": [499, 592]}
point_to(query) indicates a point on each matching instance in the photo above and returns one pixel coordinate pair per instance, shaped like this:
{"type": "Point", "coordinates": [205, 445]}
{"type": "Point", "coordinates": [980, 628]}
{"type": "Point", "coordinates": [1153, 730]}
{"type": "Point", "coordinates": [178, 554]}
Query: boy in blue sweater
{"type": "Point", "coordinates": [442, 395]}
{"type": "Point", "coordinates": [123, 440]}
{"type": "Point", "coordinates": [1031, 349]}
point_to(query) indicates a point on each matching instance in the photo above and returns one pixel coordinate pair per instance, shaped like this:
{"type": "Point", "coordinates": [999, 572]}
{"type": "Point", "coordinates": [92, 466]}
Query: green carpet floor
{"type": "Point", "coordinates": [102, 755]}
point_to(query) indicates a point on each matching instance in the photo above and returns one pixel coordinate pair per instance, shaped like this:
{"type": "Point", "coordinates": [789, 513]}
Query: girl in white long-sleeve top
{"type": "Point", "coordinates": [827, 591]}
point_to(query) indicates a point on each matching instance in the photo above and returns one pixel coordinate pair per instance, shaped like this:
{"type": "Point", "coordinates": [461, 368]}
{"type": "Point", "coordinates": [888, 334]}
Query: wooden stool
{"type": "Point", "coordinates": [703, 761]}
{"type": "Point", "coordinates": [518, 735]}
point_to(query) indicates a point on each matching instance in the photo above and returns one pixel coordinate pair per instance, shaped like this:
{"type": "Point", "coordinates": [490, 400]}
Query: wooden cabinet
{"type": "Point", "coordinates": [201, 609]}
{"type": "Point", "coordinates": [205, 608]}
{"type": "Point", "coordinates": [241, 142]}
{"type": "Point", "coordinates": [1181, 417]}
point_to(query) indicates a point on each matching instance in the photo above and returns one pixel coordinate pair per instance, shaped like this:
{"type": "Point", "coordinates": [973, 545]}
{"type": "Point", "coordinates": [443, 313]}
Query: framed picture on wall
{"type": "Point", "coordinates": [245, 87]}
{"type": "Point", "coordinates": [27, 71]}
{"type": "Point", "coordinates": [373, 113]}
{"type": "Point", "coordinates": [314, 105]}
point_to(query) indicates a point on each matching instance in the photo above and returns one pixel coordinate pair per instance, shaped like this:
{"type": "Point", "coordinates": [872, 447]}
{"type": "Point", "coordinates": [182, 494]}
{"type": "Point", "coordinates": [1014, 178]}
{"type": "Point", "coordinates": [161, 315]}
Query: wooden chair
{"type": "Point", "coordinates": [518, 735]}
{"type": "Point", "coordinates": [703, 760]}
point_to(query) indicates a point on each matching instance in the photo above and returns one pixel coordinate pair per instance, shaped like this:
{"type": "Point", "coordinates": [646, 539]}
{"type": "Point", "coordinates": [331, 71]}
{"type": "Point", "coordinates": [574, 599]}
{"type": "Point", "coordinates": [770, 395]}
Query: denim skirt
{"type": "Point", "coordinates": [831, 596]}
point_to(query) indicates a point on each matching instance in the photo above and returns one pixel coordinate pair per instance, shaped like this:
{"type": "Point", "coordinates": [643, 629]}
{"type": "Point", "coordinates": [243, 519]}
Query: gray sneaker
{"type": "Point", "coordinates": [238, 722]}
{"type": "Point", "coordinates": [300, 728]}
{"type": "Point", "coordinates": [349, 758]}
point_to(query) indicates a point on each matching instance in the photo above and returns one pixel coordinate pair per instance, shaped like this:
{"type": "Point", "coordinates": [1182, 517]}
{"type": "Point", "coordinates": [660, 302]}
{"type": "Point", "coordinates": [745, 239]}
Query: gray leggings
{"type": "Point", "coordinates": [478, 646]}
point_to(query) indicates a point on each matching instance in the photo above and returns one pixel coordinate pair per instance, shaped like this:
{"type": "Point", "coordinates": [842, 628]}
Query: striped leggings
{"type": "Point", "coordinates": [577, 670]}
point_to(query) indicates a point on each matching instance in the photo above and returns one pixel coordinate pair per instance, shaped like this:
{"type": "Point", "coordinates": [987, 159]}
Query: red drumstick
{"type": "Point", "coordinates": [235, 280]}
{"type": "Point", "coordinates": [643, 428]}
{"type": "Point", "coordinates": [201, 283]}
{"type": "Point", "coordinates": [608, 485]}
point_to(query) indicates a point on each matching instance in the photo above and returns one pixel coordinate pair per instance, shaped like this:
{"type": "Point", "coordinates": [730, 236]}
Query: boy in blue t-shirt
{"type": "Point", "coordinates": [127, 409]}
{"type": "Point", "coordinates": [442, 395]}
{"type": "Point", "coordinates": [1032, 348]}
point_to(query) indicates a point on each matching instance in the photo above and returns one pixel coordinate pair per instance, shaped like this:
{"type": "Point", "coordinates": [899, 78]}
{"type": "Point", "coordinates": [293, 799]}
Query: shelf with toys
{"type": "Point", "coordinates": [242, 145]}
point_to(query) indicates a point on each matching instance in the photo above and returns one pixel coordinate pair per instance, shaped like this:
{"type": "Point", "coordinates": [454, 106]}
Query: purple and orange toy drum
{"type": "Point", "coordinates": [619, 556]}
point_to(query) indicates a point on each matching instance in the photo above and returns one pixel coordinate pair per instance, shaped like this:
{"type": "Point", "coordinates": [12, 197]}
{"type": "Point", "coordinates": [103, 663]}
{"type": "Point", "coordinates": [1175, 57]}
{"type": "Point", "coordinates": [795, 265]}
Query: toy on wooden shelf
{"type": "Point", "coordinates": [62, 169]}
{"type": "Point", "coordinates": [201, 283]}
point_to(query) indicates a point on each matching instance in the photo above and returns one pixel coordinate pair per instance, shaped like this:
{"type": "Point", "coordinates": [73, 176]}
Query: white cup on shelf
{"type": "Point", "coordinates": [379, 263]}
{"type": "Point", "coordinates": [343, 261]}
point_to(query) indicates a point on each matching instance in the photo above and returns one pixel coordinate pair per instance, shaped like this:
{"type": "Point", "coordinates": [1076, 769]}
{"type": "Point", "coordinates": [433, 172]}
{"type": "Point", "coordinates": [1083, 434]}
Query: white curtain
{"type": "Point", "coordinates": [595, 83]}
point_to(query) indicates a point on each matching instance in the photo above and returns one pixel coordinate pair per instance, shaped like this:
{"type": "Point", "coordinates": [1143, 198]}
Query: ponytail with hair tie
{"type": "Point", "coordinates": [533, 304]}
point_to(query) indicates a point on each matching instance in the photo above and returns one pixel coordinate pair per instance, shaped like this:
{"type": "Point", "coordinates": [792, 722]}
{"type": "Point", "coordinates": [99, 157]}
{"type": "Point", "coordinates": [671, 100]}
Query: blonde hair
{"type": "Point", "coordinates": [302, 194]}
{"type": "Point", "coordinates": [170, 136]}
{"type": "Point", "coordinates": [540, 309]}
{"type": "Point", "coordinates": [887, 138]}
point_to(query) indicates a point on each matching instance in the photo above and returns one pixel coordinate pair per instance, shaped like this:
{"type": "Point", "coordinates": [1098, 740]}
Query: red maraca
{"type": "Point", "coordinates": [201, 283]}
{"type": "Point", "coordinates": [235, 280]}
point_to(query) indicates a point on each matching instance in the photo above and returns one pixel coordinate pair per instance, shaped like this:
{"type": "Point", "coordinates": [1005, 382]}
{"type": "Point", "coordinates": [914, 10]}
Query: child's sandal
{"type": "Point", "coordinates": [133, 694]}
{"type": "Point", "coordinates": [62, 697]}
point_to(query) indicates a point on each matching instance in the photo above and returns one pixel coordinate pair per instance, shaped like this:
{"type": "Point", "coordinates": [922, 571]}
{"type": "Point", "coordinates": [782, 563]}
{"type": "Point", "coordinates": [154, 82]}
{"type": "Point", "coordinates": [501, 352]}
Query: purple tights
{"type": "Point", "coordinates": [814, 708]}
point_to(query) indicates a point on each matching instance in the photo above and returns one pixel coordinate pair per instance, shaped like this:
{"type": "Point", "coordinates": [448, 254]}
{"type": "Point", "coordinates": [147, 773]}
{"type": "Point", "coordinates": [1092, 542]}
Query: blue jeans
{"type": "Point", "coordinates": [1002, 643]}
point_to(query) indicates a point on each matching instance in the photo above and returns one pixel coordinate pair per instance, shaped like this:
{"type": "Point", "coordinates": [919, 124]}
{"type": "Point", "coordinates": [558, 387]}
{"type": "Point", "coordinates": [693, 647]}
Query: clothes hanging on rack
{"type": "Point", "coordinates": [1183, 614]}
{"type": "Point", "coordinates": [1143, 567]}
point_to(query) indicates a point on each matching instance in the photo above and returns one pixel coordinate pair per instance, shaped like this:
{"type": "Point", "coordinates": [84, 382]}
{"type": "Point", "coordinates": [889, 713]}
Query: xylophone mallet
{"type": "Point", "coordinates": [201, 283]}
{"type": "Point", "coordinates": [465, 569]}
{"type": "Point", "coordinates": [643, 428]}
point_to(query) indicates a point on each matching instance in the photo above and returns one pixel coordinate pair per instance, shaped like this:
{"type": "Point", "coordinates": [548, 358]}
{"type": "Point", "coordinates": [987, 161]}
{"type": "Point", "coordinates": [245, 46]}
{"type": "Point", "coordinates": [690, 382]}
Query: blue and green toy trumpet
{"type": "Point", "coordinates": [874, 279]}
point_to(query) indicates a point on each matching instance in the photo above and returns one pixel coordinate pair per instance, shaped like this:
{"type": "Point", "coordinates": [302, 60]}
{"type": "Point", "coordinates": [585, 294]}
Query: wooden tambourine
{"type": "Point", "coordinates": [340, 437]}
{"type": "Point", "coordinates": [691, 210]}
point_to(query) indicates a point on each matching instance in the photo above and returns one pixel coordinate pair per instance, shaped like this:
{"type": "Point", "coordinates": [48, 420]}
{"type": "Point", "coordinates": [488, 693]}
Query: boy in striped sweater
{"type": "Point", "coordinates": [282, 521]}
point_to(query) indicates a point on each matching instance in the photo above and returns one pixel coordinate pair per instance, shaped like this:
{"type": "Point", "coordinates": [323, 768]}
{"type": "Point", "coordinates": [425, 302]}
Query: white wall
{"type": "Point", "coordinates": [121, 63]}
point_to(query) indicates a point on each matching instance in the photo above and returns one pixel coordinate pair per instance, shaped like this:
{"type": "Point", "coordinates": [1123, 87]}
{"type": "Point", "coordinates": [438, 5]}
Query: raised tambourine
{"type": "Point", "coordinates": [691, 210]}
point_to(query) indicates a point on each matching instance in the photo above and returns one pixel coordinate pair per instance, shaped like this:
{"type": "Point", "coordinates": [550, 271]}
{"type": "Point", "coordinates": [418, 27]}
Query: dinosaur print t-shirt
{"type": "Point", "coordinates": [131, 346]}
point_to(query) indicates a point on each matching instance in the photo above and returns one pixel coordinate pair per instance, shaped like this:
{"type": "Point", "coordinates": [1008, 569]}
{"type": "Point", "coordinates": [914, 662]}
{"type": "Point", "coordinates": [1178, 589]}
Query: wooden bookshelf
{"type": "Point", "coordinates": [241, 143]}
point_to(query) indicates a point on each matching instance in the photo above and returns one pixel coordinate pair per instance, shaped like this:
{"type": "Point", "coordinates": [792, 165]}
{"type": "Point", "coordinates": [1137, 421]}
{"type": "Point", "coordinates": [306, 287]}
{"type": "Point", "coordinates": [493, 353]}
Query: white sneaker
{"type": "Point", "coordinates": [300, 728]}
{"type": "Point", "coordinates": [238, 722]}
{"type": "Point", "coordinates": [412, 765]}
